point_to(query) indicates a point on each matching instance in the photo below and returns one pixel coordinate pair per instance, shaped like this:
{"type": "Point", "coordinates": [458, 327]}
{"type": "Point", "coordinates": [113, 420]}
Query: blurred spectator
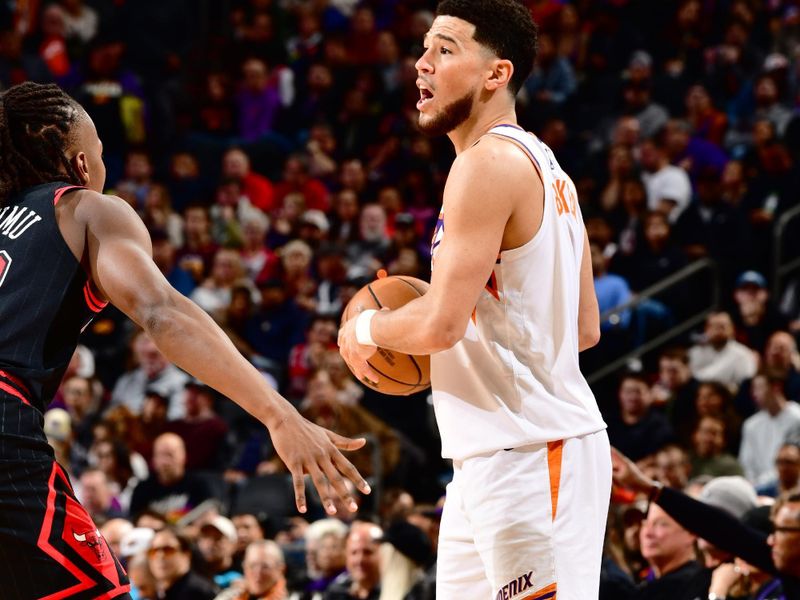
{"type": "Point", "coordinates": [674, 466]}
{"type": "Point", "coordinates": [199, 247]}
{"type": "Point", "coordinates": [787, 464]}
{"type": "Point", "coordinates": [637, 430]}
{"type": "Point", "coordinates": [214, 295]}
{"type": "Point", "coordinates": [755, 317]}
{"type": "Point", "coordinates": [296, 273]}
{"type": "Point", "coordinates": [170, 561]}
{"type": "Point", "coordinates": [154, 372]}
{"type": "Point", "coordinates": [137, 179]}
{"type": "Point", "coordinates": [58, 430]}
{"type": "Point", "coordinates": [164, 255]}
{"type": "Point", "coordinates": [217, 542]}
{"type": "Point", "coordinates": [361, 580]}
{"type": "Point", "coordinates": [143, 584]}
{"type": "Point", "coordinates": [368, 254]}
{"type": "Point", "coordinates": [248, 530]}
{"type": "Point", "coordinates": [344, 221]}
{"type": "Point", "coordinates": [84, 413]}
{"type": "Point", "coordinates": [694, 155]}
{"type": "Point", "coordinates": [325, 554]}
{"type": "Point", "coordinates": [676, 387]}
{"type": "Point", "coordinates": [308, 356]}
{"type": "Point", "coordinates": [707, 122]}
{"type": "Point", "coordinates": [612, 291]}
{"type": "Point", "coordinates": [258, 101]}
{"type": "Point", "coordinates": [114, 531]}
{"type": "Point", "coordinates": [764, 433]}
{"type": "Point", "coordinates": [714, 399]}
{"type": "Point", "coordinates": [259, 261]}
{"type": "Point", "coordinates": [297, 179]}
{"type": "Point", "coordinates": [637, 97]}
{"type": "Point", "coordinates": [668, 187]}
{"type": "Point", "coordinates": [768, 105]}
{"type": "Point", "coordinates": [404, 555]}
{"type": "Point", "coordinates": [553, 79]}
{"type": "Point", "coordinates": [278, 323]}
{"type": "Point", "coordinates": [264, 569]}
{"type": "Point", "coordinates": [709, 456]}
{"type": "Point", "coordinates": [113, 458]}
{"type": "Point", "coordinates": [203, 431]}
{"type": "Point", "coordinates": [258, 189]}
{"type": "Point", "coordinates": [670, 552]}
{"type": "Point", "coordinates": [736, 496]}
{"type": "Point", "coordinates": [96, 495]}
{"type": "Point", "coordinates": [720, 357]}
{"type": "Point", "coordinates": [170, 489]}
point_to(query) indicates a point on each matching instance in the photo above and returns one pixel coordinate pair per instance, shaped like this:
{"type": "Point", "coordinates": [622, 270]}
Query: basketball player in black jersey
{"type": "Point", "coordinates": [65, 251]}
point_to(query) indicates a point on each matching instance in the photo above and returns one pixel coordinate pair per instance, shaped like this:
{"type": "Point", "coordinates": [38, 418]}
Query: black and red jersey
{"type": "Point", "coordinates": [46, 297]}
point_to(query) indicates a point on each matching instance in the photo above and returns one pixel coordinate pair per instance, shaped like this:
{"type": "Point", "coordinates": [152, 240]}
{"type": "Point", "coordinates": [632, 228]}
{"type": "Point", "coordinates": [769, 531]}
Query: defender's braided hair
{"type": "Point", "coordinates": [36, 125]}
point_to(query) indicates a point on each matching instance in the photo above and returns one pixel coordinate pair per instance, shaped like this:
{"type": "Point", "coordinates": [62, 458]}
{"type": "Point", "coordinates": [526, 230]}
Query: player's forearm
{"type": "Point", "coordinates": [416, 328]}
{"type": "Point", "coordinates": [189, 338]}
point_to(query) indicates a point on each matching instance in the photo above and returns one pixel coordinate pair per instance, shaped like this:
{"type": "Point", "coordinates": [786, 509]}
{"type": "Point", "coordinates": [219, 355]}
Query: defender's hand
{"type": "Point", "coordinates": [308, 449]}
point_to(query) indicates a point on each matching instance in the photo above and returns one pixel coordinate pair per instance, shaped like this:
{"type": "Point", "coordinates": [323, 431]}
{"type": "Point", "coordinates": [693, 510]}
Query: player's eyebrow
{"type": "Point", "coordinates": [444, 37]}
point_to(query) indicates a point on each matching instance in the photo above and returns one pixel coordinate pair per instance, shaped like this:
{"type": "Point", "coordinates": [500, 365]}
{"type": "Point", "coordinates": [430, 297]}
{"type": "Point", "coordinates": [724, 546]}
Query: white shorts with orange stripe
{"type": "Point", "coordinates": [526, 523]}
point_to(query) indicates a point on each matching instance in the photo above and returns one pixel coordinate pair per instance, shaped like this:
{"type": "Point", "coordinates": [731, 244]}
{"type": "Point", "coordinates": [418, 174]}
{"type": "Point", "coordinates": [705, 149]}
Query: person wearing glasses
{"type": "Point", "coordinates": [777, 554]}
{"type": "Point", "coordinates": [170, 561]}
{"type": "Point", "coordinates": [264, 578]}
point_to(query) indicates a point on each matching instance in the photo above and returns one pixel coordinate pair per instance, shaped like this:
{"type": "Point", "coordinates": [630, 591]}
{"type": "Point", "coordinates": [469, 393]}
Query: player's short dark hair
{"type": "Point", "coordinates": [506, 27]}
{"type": "Point", "coordinates": [36, 129]}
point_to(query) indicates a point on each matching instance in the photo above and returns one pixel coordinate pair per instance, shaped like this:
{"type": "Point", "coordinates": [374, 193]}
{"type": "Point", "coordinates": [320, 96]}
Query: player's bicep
{"type": "Point", "coordinates": [120, 259]}
{"type": "Point", "coordinates": [477, 208]}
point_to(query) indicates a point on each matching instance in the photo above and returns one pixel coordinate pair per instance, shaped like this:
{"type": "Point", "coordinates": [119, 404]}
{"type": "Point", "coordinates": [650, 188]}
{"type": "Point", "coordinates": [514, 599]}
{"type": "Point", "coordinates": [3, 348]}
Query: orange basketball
{"type": "Point", "coordinates": [399, 374]}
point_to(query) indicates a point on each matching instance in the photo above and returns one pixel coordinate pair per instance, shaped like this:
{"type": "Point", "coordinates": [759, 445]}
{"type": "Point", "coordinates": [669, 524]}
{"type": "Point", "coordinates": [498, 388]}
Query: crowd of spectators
{"type": "Point", "coordinates": [271, 148]}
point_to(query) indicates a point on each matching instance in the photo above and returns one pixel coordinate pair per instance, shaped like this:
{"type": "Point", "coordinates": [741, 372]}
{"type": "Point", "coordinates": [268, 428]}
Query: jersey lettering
{"type": "Point", "coordinates": [13, 224]}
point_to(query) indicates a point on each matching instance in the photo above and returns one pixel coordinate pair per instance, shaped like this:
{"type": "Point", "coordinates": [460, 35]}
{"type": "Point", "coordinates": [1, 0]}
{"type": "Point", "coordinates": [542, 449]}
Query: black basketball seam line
{"type": "Point", "coordinates": [404, 280]}
{"type": "Point", "coordinates": [390, 378]}
{"type": "Point", "coordinates": [417, 367]}
{"type": "Point", "coordinates": [374, 297]}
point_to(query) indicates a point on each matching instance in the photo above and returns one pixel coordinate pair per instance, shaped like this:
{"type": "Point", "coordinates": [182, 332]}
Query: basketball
{"type": "Point", "coordinates": [399, 374]}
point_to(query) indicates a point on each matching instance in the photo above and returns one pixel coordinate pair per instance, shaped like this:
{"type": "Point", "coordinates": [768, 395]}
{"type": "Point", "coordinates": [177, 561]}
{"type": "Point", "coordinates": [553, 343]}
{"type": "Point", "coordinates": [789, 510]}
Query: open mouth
{"type": "Point", "coordinates": [425, 96]}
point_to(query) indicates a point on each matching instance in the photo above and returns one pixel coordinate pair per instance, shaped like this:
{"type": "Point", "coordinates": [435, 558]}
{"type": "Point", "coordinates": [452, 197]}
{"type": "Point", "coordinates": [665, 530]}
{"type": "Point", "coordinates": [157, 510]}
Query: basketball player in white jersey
{"type": "Point", "coordinates": [510, 305]}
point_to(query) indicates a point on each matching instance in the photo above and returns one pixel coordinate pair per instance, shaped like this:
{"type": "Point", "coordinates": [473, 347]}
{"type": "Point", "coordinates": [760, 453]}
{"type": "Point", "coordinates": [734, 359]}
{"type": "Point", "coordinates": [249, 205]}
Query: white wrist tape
{"type": "Point", "coordinates": [363, 324]}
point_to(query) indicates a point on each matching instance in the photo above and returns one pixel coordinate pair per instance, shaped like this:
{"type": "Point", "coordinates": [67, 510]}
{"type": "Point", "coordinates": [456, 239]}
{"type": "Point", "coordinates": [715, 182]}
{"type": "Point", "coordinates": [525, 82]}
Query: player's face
{"type": "Point", "coordinates": [87, 154]}
{"type": "Point", "coordinates": [450, 74]}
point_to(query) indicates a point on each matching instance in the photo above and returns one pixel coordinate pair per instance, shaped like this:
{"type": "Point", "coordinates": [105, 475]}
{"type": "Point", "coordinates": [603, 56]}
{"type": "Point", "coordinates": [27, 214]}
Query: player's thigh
{"type": "Point", "coordinates": [459, 570]}
{"type": "Point", "coordinates": [510, 508]}
{"type": "Point", "coordinates": [48, 542]}
{"type": "Point", "coordinates": [580, 524]}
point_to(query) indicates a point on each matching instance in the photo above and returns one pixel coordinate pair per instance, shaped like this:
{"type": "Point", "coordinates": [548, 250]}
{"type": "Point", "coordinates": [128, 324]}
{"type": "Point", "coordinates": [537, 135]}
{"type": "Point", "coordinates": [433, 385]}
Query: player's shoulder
{"type": "Point", "coordinates": [90, 203]}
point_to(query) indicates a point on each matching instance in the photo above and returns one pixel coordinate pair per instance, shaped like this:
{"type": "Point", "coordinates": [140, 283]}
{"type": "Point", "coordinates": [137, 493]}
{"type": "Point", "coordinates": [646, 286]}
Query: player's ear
{"type": "Point", "coordinates": [81, 166]}
{"type": "Point", "coordinates": [500, 74]}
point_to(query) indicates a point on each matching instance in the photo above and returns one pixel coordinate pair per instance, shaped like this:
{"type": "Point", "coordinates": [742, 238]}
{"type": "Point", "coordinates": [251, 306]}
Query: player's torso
{"type": "Point", "coordinates": [514, 378]}
{"type": "Point", "coordinates": [45, 297]}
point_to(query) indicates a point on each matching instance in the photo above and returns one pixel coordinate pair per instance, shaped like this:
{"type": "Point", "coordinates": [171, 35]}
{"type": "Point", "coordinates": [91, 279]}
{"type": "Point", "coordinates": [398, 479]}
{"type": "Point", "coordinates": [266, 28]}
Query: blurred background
{"type": "Point", "coordinates": [271, 148]}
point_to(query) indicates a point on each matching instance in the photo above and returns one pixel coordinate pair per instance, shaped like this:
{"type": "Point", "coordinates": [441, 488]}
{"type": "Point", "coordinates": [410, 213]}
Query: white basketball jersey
{"type": "Point", "coordinates": [514, 379]}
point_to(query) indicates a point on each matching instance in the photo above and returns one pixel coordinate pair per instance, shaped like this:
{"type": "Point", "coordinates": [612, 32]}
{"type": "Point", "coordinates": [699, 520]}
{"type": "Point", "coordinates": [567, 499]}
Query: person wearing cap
{"type": "Point", "coordinates": [755, 317]}
{"type": "Point", "coordinates": [777, 554]}
{"type": "Point", "coordinates": [405, 553]}
{"type": "Point", "coordinates": [764, 433]}
{"type": "Point", "coordinates": [217, 544]}
{"type": "Point", "coordinates": [733, 494]}
{"type": "Point", "coordinates": [721, 358]}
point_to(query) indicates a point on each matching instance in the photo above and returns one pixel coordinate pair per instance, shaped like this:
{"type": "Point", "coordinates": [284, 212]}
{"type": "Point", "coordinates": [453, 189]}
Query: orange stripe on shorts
{"type": "Point", "coordinates": [554, 450]}
{"type": "Point", "coordinates": [548, 592]}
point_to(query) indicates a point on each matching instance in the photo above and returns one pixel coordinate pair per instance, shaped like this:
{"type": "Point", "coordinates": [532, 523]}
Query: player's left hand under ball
{"type": "Point", "coordinates": [356, 355]}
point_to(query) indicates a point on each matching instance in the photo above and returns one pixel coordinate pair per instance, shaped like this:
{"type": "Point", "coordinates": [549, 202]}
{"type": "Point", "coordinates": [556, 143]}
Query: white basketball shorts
{"type": "Point", "coordinates": [526, 523]}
